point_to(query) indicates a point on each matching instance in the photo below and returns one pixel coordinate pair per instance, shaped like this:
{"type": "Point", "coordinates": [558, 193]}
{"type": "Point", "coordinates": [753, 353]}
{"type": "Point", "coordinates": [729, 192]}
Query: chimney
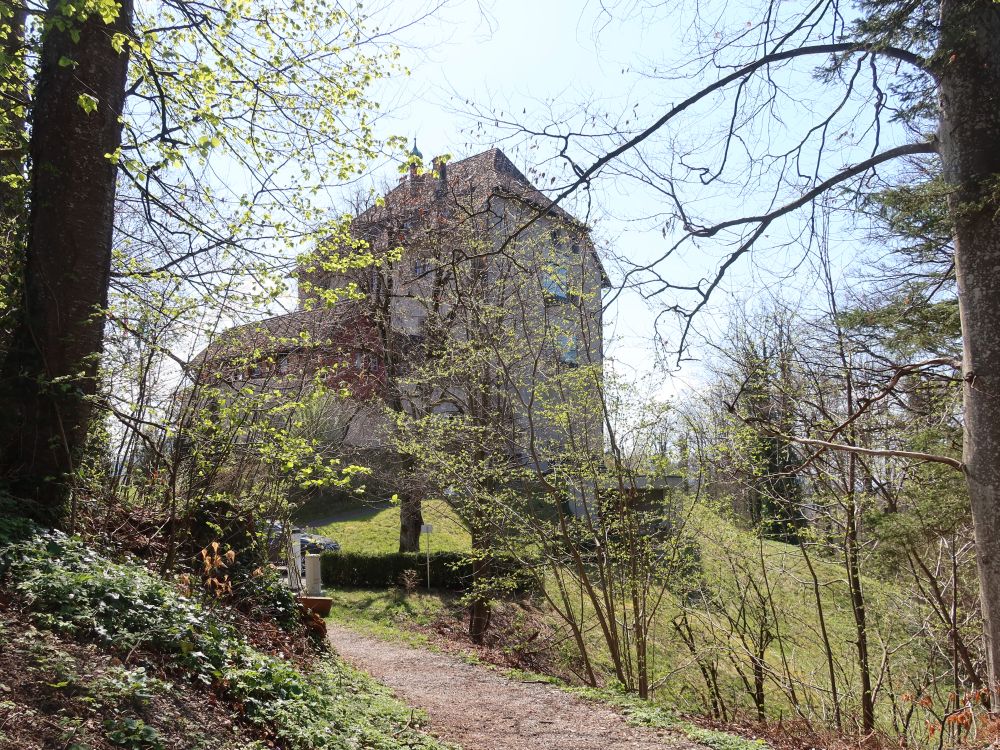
{"type": "Point", "coordinates": [441, 170]}
{"type": "Point", "coordinates": [415, 157]}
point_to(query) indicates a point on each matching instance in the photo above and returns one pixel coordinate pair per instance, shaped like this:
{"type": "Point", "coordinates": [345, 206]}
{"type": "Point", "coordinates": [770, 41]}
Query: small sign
{"type": "Point", "coordinates": [426, 528]}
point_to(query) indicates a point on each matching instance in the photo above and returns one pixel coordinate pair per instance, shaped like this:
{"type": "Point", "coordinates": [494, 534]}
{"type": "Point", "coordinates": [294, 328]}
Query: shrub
{"type": "Point", "coordinates": [451, 571]}
{"type": "Point", "coordinates": [133, 733]}
{"type": "Point", "coordinates": [263, 594]}
{"type": "Point", "coordinates": [14, 522]}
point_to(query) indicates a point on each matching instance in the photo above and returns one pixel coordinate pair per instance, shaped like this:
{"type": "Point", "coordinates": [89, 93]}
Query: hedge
{"type": "Point", "coordinates": [451, 571]}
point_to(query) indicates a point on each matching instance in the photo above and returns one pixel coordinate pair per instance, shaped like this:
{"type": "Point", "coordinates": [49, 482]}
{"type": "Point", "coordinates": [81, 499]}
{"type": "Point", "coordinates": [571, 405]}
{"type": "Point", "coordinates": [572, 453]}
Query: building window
{"type": "Point", "coordinates": [555, 285]}
{"type": "Point", "coordinates": [575, 249]}
{"type": "Point", "coordinates": [447, 409]}
{"type": "Point", "coordinates": [566, 349]}
{"type": "Point", "coordinates": [421, 266]}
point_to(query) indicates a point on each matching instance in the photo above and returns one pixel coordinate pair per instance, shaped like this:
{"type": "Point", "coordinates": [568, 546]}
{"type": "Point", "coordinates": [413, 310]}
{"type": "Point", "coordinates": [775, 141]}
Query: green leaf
{"type": "Point", "coordinates": [66, 62]}
{"type": "Point", "coordinates": [87, 102]}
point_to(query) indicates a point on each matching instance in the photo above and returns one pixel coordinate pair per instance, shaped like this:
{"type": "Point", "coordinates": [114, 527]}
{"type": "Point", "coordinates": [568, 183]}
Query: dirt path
{"type": "Point", "coordinates": [481, 710]}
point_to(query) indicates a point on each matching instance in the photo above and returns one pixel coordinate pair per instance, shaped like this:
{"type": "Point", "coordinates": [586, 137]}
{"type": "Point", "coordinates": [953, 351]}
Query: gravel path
{"type": "Point", "coordinates": [481, 710]}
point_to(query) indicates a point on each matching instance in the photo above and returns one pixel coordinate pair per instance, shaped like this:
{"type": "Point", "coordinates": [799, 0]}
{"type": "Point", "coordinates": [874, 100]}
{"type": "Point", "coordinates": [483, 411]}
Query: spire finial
{"type": "Point", "coordinates": [416, 151]}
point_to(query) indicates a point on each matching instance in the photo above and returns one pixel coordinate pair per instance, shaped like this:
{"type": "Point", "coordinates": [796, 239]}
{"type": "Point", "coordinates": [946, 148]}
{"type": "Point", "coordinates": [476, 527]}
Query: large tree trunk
{"type": "Point", "coordinates": [49, 376]}
{"type": "Point", "coordinates": [479, 604]}
{"type": "Point", "coordinates": [411, 518]}
{"type": "Point", "coordinates": [969, 73]}
{"type": "Point", "coordinates": [13, 108]}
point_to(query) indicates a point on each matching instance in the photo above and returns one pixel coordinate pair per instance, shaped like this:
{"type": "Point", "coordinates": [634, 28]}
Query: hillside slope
{"type": "Point", "coordinates": [705, 627]}
{"type": "Point", "coordinates": [101, 654]}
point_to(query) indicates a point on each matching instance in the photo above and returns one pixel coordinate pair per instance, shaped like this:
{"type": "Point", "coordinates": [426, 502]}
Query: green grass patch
{"type": "Point", "coordinates": [388, 615]}
{"type": "Point", "coordinates": [376, 530]}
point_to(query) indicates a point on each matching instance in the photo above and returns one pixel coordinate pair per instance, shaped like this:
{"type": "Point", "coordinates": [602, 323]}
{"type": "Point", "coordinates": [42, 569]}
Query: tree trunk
{"type": "Point", "coordinates": [852, 564]}
{"type": "Point", "coordinates": [758, 684]}
{"type": "Point", "coordinates": [411, 518]}
{"type": "Point", "coordinates": [969, 85]}
{"type": "Point", "coordinates": [49, 375]}
{"type": "Point", "coordinates": [479, 604]}
{"type": "Point", "coordinates": [13, 107]}
{"type": "Point", "coordinates": [827, 648]}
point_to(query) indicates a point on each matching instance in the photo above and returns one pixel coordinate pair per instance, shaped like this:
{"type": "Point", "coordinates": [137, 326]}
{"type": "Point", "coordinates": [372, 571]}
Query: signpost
{"type": "Point", "coordinates": [425, 530]}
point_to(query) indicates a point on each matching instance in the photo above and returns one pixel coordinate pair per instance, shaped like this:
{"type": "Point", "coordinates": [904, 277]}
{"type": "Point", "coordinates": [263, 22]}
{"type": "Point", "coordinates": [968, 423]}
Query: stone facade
{"type": "Point", "coordinates": [467, 255]}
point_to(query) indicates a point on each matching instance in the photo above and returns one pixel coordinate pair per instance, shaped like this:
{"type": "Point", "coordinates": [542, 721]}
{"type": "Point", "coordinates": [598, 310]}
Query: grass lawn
{"type": "Point", "coordinates": [386, 614]}
{"type": "Point", "coordinates": [367, 529]}
{"type": "Point", "coordinates": [730, 559]}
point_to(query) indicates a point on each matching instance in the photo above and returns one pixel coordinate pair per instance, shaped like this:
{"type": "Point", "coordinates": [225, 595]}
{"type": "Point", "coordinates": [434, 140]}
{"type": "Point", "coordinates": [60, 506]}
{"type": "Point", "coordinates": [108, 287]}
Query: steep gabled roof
{"type": "Point", "coordinates": [472, 183]}
{"type": "Point", "coordinates": [300, 329]}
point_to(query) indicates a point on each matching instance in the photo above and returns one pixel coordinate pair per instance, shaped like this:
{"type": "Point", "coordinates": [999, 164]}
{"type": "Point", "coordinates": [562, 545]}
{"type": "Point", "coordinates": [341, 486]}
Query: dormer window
{"type": "Point", "coordinates": [447, 409]}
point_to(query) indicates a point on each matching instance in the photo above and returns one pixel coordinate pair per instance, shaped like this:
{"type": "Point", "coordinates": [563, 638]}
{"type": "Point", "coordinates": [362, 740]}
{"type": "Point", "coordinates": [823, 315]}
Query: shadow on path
{"type": "Point", "coordinates": [480, 709]}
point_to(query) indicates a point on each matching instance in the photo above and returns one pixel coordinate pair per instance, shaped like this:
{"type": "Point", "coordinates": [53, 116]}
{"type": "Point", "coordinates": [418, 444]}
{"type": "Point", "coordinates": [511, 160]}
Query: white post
{"type": "Point", "coordinates": [314, 583]}
{"type": "Point", "coordinates": [426, 530]}
{"type": "Point", "coordinates": [294, 562]}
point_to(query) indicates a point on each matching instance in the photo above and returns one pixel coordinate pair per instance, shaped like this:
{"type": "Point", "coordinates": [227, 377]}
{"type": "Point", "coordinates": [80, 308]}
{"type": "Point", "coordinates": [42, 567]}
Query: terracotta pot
{"type": "Point", "coordinates": [318, 604]}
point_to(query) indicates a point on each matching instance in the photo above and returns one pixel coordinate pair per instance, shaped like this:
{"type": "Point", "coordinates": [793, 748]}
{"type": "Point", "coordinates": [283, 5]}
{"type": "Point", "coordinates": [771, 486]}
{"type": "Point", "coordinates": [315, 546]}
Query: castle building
{"type": "Point", "coordinates": [462, 280]}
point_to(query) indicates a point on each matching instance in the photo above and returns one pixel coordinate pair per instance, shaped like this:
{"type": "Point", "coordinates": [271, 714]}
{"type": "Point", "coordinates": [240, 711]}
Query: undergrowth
{"type": "Point", "coordinates": [642, 713]}
{"type": "Point", "coordinates": [68, 588]}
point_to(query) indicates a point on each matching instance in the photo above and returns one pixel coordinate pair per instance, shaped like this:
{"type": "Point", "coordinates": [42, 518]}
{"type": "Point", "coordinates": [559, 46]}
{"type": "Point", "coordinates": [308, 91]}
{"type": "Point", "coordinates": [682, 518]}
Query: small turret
{"type": "Point", "coordinates": [415, 158]}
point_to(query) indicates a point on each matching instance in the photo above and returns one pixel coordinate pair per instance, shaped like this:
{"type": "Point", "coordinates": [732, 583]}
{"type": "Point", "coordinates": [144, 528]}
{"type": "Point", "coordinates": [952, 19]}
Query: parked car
{"type": "Point", "coordinates": [316, 543]}
{"type": "Point", "coordinates": [309, 543]}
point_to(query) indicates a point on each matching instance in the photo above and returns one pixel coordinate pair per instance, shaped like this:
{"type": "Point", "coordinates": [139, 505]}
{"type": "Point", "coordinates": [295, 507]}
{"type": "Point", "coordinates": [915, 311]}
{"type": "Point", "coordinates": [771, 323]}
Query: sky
{"type": "Point", "coordinates": [544, 61]}
{"type": "Point", "coordinates": [532, 58]}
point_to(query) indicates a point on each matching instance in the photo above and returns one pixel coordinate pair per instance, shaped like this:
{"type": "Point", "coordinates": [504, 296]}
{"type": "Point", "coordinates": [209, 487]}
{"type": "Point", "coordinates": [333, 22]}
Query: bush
{"type": "Point", "coordinates": [14, 519]}
{"type": "Point", "coordinates": [263, 595]}
{"type": "Point", "coordinates": [451, 571]}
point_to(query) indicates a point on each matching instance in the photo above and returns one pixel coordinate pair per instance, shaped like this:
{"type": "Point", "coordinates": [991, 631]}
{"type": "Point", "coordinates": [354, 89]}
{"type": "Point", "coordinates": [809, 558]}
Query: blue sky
{"type": "Point", "coordinates": [532, 59]}
{"type": "Point", "coordinates": [541, 61]}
